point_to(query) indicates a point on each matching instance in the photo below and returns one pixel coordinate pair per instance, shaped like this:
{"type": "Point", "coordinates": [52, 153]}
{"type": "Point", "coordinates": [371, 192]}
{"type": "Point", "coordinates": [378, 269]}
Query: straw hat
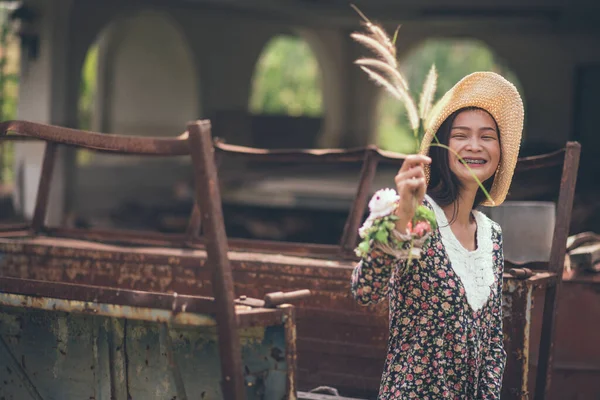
{"type": "Point", "coordinates": [500, 98]}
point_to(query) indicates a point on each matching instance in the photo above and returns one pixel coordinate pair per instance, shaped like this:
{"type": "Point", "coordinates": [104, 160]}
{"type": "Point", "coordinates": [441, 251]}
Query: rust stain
{"type": "Point", "coordinates": [107, 310]}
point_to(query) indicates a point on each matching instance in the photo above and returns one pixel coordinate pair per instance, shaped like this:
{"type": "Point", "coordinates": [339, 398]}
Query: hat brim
{"type": "Point", "coordinates": [500, 98]}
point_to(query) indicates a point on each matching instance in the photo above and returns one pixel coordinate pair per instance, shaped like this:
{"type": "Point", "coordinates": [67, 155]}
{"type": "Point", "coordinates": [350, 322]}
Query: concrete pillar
{"type": "Point", "coordinates": [43, 98]}
{"type": "Point", "coordinates": [328, 46]}
{"type": "Point", "coordinates": [148, 80]}
{"type": "Point", "coordinates": [360, 98]}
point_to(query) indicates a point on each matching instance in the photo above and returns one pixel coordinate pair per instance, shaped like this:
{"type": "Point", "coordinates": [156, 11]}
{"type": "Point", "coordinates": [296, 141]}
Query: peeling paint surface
{"type": "Point", "coordinates": [343, 325]}
{"type": "Point", "coordinates": [74, 356]}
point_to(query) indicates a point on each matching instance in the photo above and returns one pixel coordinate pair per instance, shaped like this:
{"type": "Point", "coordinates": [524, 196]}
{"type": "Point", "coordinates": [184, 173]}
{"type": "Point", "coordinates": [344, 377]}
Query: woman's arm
{"type": "Point", "coordinates": [371, 277]}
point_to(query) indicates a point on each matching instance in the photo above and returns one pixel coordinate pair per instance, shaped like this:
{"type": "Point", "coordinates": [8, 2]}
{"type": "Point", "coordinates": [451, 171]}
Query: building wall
{"type": "Point", "coordinates": [153, 85]}
{"type": "Point", "coordinates": [216, 52]}
{"type": "Point", "coordinates": [164, 66]}
{"type": "Point", "coordinates": [224, 49]}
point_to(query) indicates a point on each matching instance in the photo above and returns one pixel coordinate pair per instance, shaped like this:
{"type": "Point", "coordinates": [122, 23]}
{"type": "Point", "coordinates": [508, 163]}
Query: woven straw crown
{"type": "Point", "coordinates": [500, 98]}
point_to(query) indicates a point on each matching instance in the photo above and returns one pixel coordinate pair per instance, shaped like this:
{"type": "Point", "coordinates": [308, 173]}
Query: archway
{"type": "Point", "coordinates": [286, 94]}
{"type": "Point", "coordinates": [138, 78]}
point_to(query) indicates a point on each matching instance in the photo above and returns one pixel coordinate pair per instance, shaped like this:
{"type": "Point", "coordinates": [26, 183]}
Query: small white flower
{"type": "Point", "coordinates": [383, 203]}
{"type": "Point", "coordinates": [362, 232]}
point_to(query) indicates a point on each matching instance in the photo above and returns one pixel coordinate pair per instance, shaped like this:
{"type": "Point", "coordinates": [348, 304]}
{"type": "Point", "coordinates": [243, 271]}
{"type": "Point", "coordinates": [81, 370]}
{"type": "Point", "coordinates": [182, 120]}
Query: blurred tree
{"type": "Point", "coordinates": [87, 99]}
{"type": "Point", "coordinates": [453, 59]}
{"type": "Point", "coordinates": [287, 79]}
{"type": "Point", "coordinates": [87, 89]}
{"type": "Point", "coordinates": [9, 86]}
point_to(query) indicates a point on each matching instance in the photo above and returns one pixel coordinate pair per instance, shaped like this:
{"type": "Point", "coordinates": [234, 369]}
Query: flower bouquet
{"type": "Point", "coordinates": [379, 229]}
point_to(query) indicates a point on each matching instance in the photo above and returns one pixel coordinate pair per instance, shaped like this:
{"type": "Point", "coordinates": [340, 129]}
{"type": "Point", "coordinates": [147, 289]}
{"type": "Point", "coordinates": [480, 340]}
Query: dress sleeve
{"type": "Point", "coordinates": [494, 355]}
{"type": "Point", "coordinates": [373, 274]}
{"type": "Point", "coordinates": [371, 277]}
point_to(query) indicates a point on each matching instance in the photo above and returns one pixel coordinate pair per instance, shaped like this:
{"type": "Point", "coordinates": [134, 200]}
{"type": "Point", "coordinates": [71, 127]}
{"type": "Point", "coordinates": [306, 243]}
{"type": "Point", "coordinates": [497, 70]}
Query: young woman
{"type": "Point", "coordinates": [446, 337]}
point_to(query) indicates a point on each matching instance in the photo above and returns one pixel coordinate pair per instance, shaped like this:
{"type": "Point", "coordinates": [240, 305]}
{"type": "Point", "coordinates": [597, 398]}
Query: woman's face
{"type": "Point", "coordinates": [474, 137]}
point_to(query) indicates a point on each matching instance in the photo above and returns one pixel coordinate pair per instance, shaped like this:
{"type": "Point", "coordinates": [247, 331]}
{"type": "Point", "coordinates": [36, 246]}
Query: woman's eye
{"type": "Point", "coordinates": [489, 138]}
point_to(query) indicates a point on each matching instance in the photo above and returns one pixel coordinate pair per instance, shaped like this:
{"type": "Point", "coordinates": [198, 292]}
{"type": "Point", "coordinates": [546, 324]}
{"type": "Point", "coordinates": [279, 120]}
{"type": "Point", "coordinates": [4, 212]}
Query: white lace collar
{"type": "Point", "coordinates": [474, 268]}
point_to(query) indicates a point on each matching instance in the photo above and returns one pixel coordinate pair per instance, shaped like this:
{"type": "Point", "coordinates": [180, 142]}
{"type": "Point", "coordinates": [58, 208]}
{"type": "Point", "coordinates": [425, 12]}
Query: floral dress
{"type": "Point", "coordinates": [445, 315]}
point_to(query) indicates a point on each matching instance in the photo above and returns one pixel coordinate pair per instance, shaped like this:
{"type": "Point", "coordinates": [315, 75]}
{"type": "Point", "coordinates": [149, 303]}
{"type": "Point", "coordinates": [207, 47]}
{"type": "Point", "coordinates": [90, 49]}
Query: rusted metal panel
{"type": "Point", "coordinates": [516, 307]}
{"type": "Point", "coordinates": [576, 369]}
{"type": "Point", "coordinates": [349, 346]}
{"type": "Point", "coordinates": [51, 350]}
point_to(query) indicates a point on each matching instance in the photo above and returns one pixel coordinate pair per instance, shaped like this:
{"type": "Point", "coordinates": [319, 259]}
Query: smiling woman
{"type": "Point", "coordinates": [472, 134]}
{"type": "Point", "coordinates": [446, 337]}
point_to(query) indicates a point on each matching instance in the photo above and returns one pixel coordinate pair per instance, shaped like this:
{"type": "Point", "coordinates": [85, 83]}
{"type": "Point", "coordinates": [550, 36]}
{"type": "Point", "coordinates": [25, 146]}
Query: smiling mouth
{"type": "Point", "coordinates": [474, 162]}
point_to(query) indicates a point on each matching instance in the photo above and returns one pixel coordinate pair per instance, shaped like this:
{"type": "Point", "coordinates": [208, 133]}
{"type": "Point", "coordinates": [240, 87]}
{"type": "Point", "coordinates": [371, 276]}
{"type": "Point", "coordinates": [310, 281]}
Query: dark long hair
{"type": "Point", "coordinates": [444, 185]}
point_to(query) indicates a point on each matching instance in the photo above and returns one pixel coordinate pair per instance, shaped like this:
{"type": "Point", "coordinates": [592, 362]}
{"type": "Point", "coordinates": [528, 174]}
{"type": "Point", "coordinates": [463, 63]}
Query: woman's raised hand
{"type": "Point", "coordinates": [411, 187]}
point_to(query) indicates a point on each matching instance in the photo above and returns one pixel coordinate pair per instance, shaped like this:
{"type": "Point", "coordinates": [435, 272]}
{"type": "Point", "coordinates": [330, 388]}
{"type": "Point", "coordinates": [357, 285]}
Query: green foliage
{"type": "Point", "coordinates": [423, 213]}
{"type": "Point", "coordinates": [287, 80]}
{"type": "Point", "coordinates": [453, 59]}
{"type": "Point", "coordinates": [9, 88]}
{"type": "Point", "coordinates": [87, 89]}
{"type": "Point", "coordinates": [381, 231]}
{"type": "Point", "coordinates": [87, 97]}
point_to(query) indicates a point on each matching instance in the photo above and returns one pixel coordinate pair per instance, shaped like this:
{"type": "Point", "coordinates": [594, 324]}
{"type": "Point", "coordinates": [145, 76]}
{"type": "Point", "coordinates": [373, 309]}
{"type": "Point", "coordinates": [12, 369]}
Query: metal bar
{"type": "Point", "coordinates": [275, 299]}
{"type": "Point", "coordinates": [367, 174]}
{"type": "Point", "coordinates": [557, 264]}
{"type": "Point", "coordinates": [193, 230]}
{"type": "Point", "coordinates": [119, 236]}
{"type": "Point", "coordinates": [105, 295]}
{"type": "Point", "coordinates": [556, 158]}
{"type": "Point", "coordinates": [305, 155]}
{"type": "Point", "coordinates": [288, 248]}
{"type": "Point", "coordinates": [43, 194]}
{"type": "Point", "coordinates": [290, 351]}
{"type": "Point", "coordinates": [122, 144]}
{"type": "Point", "coordinates": [564, 207]}
{"type": "Point", "coordinates": [106, 310]}
{"type": "Point", "coordinates": [338, 155]}
{"type": "Point", "coordinates": [175, 240]}
{"type": "Point", "coordinates": [19, 370]}
{"type": "Point", "coordinates": [101, 142]}
{"type": "Point", "coordinates": [167, 344]}
{"type": "Point", "coordinates": [532, 265]}
{"type": "Point", "coordinates": [8, 229]}
{"type": "Point", "coordinates": [209, 200]}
